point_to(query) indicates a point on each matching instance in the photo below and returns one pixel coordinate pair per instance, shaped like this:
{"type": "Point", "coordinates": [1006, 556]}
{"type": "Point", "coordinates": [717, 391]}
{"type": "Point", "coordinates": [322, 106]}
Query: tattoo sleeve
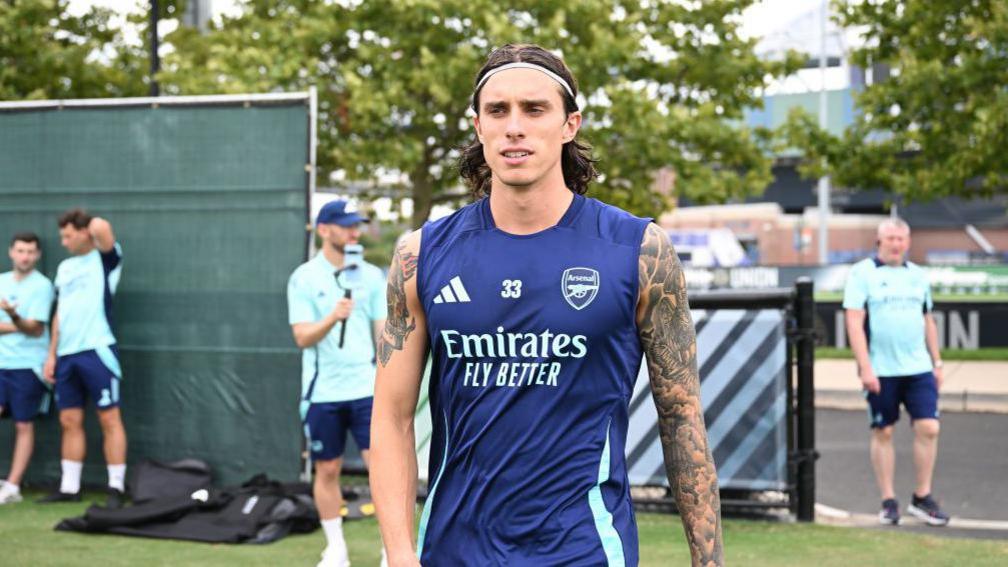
{"type": "Point", "coordinates": [399, 323]}
{"type": "Point", "coordinates": [669, 341]}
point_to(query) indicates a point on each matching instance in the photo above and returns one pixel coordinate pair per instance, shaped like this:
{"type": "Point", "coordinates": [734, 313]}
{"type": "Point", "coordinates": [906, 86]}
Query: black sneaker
{"type": "Point", "coordinates": [116, 498]}
{"type": "Point", "coordinates": [889, 516]}
{"type": "Point", "coordinates": [927, 510]}
{"type": "Point", "coordinates": [60, 497]}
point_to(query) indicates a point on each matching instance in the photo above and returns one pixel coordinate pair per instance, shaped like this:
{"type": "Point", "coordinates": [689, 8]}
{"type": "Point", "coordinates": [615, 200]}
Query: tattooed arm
{"type": "Point", "coordinates": [402, 352]}
{"type": "Point", "coordinates": [669, 341]}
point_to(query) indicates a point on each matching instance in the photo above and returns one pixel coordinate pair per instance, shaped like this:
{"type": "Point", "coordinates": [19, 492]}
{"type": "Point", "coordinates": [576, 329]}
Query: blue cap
{"type": "Point", "coordinates": [334, 212]}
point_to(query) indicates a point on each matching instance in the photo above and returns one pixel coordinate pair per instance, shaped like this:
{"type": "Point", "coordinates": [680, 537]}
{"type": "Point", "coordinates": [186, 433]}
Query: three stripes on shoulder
{"type": "Point", "coordinates": [454, 292]}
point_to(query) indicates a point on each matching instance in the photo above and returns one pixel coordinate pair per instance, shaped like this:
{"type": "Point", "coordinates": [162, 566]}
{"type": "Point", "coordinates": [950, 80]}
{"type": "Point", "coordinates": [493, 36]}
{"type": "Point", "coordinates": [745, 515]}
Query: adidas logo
{"type": "Point", "coordinates": [454, 292]}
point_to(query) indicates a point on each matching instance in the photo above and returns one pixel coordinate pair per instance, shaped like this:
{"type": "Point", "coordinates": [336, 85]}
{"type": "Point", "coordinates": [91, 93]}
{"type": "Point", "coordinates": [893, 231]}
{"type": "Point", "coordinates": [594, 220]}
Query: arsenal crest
{"type": "Point", "coordinates": [579, 286]}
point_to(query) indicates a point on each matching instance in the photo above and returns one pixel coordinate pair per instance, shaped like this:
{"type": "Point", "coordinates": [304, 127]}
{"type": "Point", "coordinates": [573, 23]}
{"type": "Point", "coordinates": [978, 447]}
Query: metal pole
{"type": "Point", "coordinates": [806, 453]}
{"type": "Point", "coordinates": [824, 183]}
{"type": "Point", "coordinates": [312, 168]}
{"type": "Point", "coordinates": [792, 461]}
{"type": "Point", "coordinates": [155, 61]}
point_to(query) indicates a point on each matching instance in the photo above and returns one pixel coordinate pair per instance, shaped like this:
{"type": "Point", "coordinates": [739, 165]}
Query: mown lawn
{"type": "Point", "coordinates": [28, 539]}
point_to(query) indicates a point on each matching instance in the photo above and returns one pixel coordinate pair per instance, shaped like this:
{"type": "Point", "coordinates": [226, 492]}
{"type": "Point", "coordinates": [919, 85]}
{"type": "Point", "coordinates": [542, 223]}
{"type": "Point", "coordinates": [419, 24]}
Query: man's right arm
{"type": "Point", "coordinates": [309, 334]}
{"type": "Point", "coordinates": [855, 319]}
{"type": "Point", "coordinates": [18, 324]}
{"type": "Point", "coordinates": [855, 299]}
{"type": "Point", "coordinates": [402, 353]}
{"type": "Point", "coordinates": [301, 313]}
{"type": "Point", "coordinates": [49, 368]}
{"type": "Point", "coordinates": [102, 234]}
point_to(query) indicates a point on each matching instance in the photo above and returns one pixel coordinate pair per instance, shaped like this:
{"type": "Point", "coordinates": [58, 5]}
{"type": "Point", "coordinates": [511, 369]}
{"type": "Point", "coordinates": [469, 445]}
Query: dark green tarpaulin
{"type": "Point", "coordinates": [209, 202]}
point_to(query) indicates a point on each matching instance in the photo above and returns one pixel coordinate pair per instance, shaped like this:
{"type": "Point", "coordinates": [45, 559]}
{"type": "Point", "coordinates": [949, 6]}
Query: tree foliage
{"type": "Point", "coordinates": [938, 125]}
{"type": "Point", "coordinates": [665, 84]}
{"type": "Point", "coordinates": [48, 52]}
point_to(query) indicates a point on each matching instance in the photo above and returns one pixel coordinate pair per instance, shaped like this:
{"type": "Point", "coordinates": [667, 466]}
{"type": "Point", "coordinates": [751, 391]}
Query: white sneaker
{"type": "Point", "coordinates": [9, 494]}
{"type": "Point", "coordinates": [334, 558]}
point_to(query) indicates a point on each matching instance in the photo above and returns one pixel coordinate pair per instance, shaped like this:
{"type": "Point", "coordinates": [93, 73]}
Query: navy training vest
{"type": "Point", "coordinates": [534, 353]}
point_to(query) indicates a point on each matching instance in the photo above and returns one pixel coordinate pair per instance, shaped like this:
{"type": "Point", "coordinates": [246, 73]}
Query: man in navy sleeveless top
{"type": "Point", "coordinates": [535, 305]}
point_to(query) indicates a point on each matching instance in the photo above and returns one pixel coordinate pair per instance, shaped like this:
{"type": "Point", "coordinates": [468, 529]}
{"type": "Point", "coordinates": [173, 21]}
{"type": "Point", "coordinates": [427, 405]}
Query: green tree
{"type": "Point", "coordinates": [938, 125]}
{"type": "Point", "coordinates": [665, 84]}
{"type": "Point", "coordinates": [47, 52]}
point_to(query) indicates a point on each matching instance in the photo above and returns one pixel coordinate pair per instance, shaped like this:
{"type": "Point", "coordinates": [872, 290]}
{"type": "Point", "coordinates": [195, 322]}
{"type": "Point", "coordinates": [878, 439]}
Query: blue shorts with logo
{"type": "Point", "coordinates": [95, 373]}
{"type": "Point", "coordinates": [326, 425]}
{"type": "Point", "coordinates": [918, 393]}
{"type": "Point", "coordinates": [23, 394]}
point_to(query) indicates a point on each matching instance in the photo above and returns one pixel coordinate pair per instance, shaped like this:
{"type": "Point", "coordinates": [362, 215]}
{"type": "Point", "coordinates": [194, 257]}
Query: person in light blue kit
{"type": "Point", "coordinates": [83, 358]}
{"type": "Point", "coordinates": [337, 380]}
{"type": "Point", "coordinates": [535, 305]}
{"type": "Point", "coordinates": [895, 343]}
{"type": "Point", "coordinates": [26, 298]}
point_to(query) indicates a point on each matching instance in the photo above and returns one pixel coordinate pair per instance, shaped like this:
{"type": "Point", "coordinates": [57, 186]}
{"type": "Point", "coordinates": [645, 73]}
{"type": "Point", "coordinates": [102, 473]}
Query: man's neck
{"type": "Point", "coordinates": [86, 250]}
{"type": "Point", "coordinates": [893, 262]}
{"type": "Point", "coordinates": [529, 210]}
{"type": "Point", "coordinates": [332, 254]}
{"type": "Point", "coordinates": [20, 275]}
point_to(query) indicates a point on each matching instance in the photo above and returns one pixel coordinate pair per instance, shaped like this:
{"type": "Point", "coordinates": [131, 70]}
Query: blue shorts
{"type": "Point", "coordinates": [326, 426]}
{"type": "Point", "coordinates": [92, 372]}
{"type": "Point", "coordinates": [918, 393]}
{"type": "Point", "coordinates": [23, 394]}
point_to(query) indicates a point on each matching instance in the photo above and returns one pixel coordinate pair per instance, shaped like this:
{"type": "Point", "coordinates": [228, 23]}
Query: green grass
{"type": "Point", "coordinates": [837, 296]}
{"type": "Point", "coordinates": [29, 540]}
{"type": "Point", "coordinates": [992, 353]}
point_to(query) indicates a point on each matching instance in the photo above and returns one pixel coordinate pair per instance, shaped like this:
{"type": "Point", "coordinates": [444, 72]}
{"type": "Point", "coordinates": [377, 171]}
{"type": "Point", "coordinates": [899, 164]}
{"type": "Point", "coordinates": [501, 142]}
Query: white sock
{"type": "Point", "coordinates": [70, 481]}
{"type": "Point", "coordinates": [334, 536]}
{"type": "Point", "coordinates": [117, 477]}
{"type": "Point", "coordinates": [9, 488]}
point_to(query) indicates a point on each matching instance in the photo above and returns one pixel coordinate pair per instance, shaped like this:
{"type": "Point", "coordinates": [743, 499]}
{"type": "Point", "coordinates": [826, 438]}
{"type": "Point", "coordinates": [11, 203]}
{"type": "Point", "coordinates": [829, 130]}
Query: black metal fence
{"type": "Point", "coordinates": [798, 307]}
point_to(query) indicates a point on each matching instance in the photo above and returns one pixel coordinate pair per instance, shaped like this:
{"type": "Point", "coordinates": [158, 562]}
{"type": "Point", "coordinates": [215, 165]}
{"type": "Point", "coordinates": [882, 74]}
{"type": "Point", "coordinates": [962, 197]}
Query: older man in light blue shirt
{"type": "Point", "coordinates": [895, 342]}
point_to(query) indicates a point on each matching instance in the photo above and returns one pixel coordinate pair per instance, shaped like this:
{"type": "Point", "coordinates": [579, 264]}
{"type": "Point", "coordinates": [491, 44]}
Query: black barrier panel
{"type": "Point", "coordinates": [967, 325]}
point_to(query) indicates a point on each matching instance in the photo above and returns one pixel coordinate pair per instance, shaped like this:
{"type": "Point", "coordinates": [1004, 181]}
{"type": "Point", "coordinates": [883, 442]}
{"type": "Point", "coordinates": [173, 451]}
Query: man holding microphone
{"type": "Point", "coordinates": [337, 332]}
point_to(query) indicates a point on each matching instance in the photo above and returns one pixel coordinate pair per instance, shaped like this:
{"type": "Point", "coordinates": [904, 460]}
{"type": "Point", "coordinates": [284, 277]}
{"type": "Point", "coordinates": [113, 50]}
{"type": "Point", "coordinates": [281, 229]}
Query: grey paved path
{"type": "Point", "coordinates": [969, 385]}
{"type": "Point", "coordinates": [971, 478]}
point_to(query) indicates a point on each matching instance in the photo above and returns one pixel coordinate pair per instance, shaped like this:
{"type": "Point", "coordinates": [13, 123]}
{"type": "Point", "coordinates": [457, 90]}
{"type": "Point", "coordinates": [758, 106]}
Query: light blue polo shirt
{"type": "Point", "coordinates": [33, 296]}
{"type": "Point", "coordinates": [895, 300]}
{"type": "Point", "coordinates": [329, 373]}
{"type": "Point", "coordinates": [85, 285]}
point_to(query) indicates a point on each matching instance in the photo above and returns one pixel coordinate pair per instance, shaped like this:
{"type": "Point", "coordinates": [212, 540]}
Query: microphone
{"type": "Point", "coordinates": [353, 255]}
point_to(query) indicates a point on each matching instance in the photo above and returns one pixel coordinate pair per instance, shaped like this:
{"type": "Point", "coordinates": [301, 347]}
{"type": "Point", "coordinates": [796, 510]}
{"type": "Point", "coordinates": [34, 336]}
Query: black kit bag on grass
{"type": "Point", "coordinates": [260, 511]}
{"type": "Point", "coordinates": [151, 480]}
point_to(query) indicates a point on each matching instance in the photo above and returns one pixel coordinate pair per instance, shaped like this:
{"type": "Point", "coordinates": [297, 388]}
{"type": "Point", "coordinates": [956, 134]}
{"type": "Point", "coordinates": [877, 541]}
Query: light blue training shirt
{"type": "Point", "coordinates": [33, 297]}
{"type": "Point", "coordinates": [330, 373]}
{"type": "Point", "coordinates": [895, 300]}
{"type": "Point", "coordinates": [85, 285]}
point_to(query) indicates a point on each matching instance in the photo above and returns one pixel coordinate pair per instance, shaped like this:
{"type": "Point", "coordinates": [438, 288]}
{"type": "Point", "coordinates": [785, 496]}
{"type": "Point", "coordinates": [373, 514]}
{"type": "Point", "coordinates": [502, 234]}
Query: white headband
{"type": "Point", "coordinates": [524, 65]}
